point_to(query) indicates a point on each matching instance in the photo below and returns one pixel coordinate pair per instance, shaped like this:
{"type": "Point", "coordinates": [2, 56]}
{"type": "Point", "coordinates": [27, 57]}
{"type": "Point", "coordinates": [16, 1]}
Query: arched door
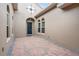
{"type": "Point", "coordinates": [30, 22]}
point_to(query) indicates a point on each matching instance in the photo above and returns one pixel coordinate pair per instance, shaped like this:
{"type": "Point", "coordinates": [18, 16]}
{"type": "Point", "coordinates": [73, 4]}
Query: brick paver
{"type": "Point", "coordinates": [35, 46]}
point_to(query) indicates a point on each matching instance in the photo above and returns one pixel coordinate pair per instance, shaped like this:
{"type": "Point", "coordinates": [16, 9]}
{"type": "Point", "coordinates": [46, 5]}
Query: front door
{"type": "Point", "coordinates": [29, 27]}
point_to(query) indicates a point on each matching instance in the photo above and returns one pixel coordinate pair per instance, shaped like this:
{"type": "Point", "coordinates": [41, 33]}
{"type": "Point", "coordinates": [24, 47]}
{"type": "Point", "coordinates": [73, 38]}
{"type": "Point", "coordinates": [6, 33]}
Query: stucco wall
{"type": "Point", "coordinates": [63, 27]}
{"type": "Point", "coordinates": [11, 29]}
{"type": "Point", "coordinates": [19, 24]}
{"type": "Point", "coordinates": [3, 23]}
{"type": "Point", "coordinates": [20, 16]}
{"type": "Point", "coordinates": [2, 27]}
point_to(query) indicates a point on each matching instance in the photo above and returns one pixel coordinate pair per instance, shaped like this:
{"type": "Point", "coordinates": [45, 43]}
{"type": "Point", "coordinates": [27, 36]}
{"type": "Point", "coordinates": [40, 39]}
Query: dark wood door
{"type": "Point", "coordinates": [29, 27]}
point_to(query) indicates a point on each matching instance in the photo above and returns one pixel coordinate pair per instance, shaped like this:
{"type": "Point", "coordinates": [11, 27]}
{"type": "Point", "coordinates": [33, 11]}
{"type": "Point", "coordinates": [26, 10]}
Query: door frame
{"type": "Point", "coordinates": [30, 19]}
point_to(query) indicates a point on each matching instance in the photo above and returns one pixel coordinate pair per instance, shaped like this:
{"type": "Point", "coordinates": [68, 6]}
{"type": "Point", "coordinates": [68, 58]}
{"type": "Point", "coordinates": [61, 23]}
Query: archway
{"type": "Point", "coordinates": [30, 26]}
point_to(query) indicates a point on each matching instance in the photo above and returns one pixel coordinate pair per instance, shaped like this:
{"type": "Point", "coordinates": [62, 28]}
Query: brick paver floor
{"type": "Point", "coordinates": [35, 46]}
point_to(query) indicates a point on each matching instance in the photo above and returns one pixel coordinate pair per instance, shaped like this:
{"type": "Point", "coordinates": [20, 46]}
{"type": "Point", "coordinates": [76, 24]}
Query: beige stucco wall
{"type": "Point", "coordinates": [23, 7]}
{"type": "Point", "coordinates": [10, 40]}
{"type": "Point", "coordinates": [63, 27]}
{"type": "Point", "coordinates": [20, 17]}
{"type": "Point", "coordinates": [2, 28]}
{"type": "Point", "coordinates": [19, 24]}
{"type": "Point", "coordinates": [3, 22]}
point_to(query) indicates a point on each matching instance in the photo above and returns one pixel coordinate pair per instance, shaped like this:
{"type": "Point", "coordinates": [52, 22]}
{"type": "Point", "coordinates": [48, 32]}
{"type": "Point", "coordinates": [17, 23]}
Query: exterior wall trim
{"type": "Point", "coordinates": [68, 6]}
{"type": "Point", "coordinates": [64, 6]}
{"type": "Point", "coordinates": [50, 7]}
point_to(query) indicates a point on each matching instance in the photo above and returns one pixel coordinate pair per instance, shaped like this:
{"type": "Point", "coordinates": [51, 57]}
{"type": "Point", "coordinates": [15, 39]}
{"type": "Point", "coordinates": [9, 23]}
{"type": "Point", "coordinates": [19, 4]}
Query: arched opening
{"type": "Point", "coordinates": [30, 26]}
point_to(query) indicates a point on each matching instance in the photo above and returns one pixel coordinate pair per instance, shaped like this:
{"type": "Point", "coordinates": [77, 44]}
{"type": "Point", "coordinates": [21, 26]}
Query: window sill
{"type": "Point", "coordinates": [8, 39]}
{"type": "Point", "coordinates": [41, 33]}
